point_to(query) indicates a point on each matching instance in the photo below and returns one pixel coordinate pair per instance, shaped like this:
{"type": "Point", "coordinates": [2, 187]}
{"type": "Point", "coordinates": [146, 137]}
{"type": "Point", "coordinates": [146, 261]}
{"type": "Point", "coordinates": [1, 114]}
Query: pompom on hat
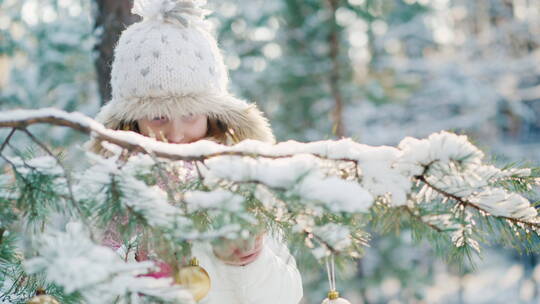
{"type": "Point", "coordinates": [170, 65]}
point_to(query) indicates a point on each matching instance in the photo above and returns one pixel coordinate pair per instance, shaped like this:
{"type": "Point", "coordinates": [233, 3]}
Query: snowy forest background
{"type": "Point", "coordinates": [373, 70]}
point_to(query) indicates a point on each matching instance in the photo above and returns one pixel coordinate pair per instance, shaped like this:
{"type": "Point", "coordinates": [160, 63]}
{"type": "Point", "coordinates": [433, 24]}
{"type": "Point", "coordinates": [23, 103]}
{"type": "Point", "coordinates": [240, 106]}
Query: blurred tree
{"type": "Point", "coordinates": [292, 56]}
{"type": "Point", "coordinates": [111, 18]}
{"type": "Point", "coordinates": [47, 50]}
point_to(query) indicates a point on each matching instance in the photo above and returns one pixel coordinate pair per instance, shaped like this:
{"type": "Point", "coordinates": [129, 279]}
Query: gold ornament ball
{"type": "Point", "coordinates": [43, 299]}
{"type": "Point", "coordinates": [195, 279]}
{"type": "Point", "coordinates": [333, 298]}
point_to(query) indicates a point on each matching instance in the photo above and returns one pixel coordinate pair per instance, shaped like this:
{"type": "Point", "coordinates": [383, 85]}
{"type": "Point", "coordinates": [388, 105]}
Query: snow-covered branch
{"type": "Point", "coordinates": [71, 260]}
{"type": "Point", "coordinates": [384, 170]}
{"type": "Point", "coordinates": [321, 194]}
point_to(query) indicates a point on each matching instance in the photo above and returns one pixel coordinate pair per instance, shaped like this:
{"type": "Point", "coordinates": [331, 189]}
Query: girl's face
{"type": "Point", "coordinates": [178, 130]}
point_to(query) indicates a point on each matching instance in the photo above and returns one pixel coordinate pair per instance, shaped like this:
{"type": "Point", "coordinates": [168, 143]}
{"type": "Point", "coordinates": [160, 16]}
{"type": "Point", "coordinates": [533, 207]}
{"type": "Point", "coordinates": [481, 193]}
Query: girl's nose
{"type": "Point", "coordinates": [176, 132]}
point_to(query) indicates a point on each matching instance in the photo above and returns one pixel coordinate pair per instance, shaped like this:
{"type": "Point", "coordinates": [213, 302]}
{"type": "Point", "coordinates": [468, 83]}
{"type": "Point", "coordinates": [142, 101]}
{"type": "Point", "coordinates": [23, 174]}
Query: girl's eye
{"type": "Point", "coordinates": [159, 118]}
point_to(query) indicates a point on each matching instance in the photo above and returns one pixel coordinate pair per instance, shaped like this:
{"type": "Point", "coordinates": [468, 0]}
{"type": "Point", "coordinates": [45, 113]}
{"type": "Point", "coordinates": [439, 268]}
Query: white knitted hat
{"type": "Point", "coordinates": [170, 65]}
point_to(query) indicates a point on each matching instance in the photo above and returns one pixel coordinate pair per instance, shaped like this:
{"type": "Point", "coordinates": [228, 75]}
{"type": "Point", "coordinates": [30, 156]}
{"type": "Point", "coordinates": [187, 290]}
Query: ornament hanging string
{"type": "Point", "coordinates": [333, 295]}
{"type": "Point", "coordinates": [330, 269]}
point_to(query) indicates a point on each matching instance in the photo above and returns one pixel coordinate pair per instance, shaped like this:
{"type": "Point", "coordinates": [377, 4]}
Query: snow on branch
{"type": "Point", "coordinates": [443, 176]}
{"type": "Point", "coordinates": [70, 259]}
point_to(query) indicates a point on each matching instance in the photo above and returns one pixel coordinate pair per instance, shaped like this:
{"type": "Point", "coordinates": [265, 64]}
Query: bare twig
{"type": "Point", "coordinates": [8, 138]}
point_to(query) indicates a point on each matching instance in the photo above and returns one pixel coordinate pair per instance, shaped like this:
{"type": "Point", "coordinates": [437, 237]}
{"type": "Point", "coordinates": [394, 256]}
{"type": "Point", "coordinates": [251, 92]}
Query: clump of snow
{"type": "Point", "coordinates": [277, 173]}
{"type": "Point", "coordinates": [300, 174]}
{"type": "Point", "coordinates": [499, 202]}
{"type": "Point", "coordinates": [336, 194]}
{"type": "Point", "coordinates": [442, 147]}
{"type": "Point", "coordinates": [216, 199]}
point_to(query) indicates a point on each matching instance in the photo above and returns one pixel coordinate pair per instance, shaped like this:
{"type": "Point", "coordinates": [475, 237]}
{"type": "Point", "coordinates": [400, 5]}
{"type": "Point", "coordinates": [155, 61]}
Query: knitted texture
{"type": "Point", "coordinates": [157, 59]}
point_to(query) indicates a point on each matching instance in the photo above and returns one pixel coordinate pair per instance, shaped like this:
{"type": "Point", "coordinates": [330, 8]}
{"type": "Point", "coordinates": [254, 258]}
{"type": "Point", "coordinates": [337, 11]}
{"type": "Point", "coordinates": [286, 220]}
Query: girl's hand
{"type": "Point", "coordinates": [239, 252]}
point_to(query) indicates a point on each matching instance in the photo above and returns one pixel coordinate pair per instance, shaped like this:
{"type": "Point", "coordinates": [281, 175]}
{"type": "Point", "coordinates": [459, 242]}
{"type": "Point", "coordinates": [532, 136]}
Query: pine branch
{"type": "Point", "coordinates": [466, 203]}
{"type": "Point", "coordinates": [321, 241]}
{"type": "Point", "coordinates": [21, 176]}
{"type": "Point", "coordinates": [346, 151]}
{"type": "Point", "coordinates": [308, 234]}
{"type": "Point", "coordinates": [419, 219]}
{"type": "Point", "coordinates": [61, 164]}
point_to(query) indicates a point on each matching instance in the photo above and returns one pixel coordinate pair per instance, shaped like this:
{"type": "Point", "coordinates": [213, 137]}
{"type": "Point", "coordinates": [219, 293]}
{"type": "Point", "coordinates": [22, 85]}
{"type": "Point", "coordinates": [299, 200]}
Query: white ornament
{"type": "Point", "coordinates": [333, 298]}
{"type": "Point", "coordinates": [336, 301]}
{"type": "Point", "coordinates": [333, 295]}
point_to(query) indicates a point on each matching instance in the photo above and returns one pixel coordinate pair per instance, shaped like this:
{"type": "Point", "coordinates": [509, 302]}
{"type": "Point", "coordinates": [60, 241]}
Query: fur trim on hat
{"type": "Point", "coordinates": [245, 120]}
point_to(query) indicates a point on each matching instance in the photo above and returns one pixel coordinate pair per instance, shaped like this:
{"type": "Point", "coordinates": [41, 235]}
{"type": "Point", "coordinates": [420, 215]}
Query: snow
{"type": "Point", "coordinates": [445, 84]}
{"type": "Point", "coordinates": [334, 235]}
{"type": "Point", "coordinates": [277, 173]}
{"type": "Point", "coordinates": [268, 199]}
{"type": "Point", "coordinates": [462, 237]}
{"type": "Point", "coordinates": [71, 260]}
{"type": "Point", "coordinates": [217, 199]}
{"type": "Point", "coordinates": [442, 146]}
{"type": "Point", "coordinates": [336, 194]}
{"type": "Point", "coordinates": [42, 165]}
{"type": "Point", "coordinates": [149, 201]}
{"type": "Point", "coordinates": [499, 202]}
{"type": "Point", "coordinates": [46, 165]}
{"type": "Point", "coordinates": [456, 166]}
{"type": "Point", "coordinates": [300, 174]}
{"type": "Point", "coordinates": [76, 117]}
{"type": "Point", "coordinates": [310, 171]}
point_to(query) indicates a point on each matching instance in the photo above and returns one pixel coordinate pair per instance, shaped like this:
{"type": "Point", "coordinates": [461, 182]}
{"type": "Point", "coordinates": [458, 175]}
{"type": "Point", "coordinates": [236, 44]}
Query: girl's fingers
{"type": "Point", "coordinates": [240, 251]}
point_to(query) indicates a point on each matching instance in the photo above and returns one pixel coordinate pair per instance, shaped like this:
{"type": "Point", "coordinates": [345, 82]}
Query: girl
{"type": "Point", "coordinates": [169, 81]}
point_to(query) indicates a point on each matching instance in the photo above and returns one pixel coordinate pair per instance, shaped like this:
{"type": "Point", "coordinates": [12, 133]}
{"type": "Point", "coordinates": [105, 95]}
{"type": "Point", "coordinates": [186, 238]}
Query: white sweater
{"type": "Point", "coordinates": [271, 279]}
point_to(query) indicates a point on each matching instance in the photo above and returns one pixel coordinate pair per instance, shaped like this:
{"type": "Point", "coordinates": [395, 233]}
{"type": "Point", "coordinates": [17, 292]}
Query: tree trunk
{"type": "Point", "coordinates": [111, 18]}
{"type": "Point", "coordinates": [333, 40]}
